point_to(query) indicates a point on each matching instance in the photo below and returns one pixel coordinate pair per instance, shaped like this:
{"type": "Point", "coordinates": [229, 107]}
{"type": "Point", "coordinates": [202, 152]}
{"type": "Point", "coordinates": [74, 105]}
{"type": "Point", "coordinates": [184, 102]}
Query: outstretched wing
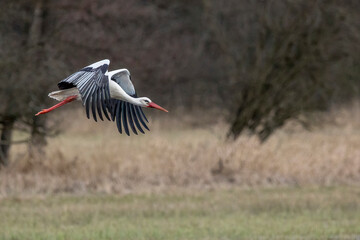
{"type": "Point", "coordinates": [93, 86]}
{"type": "Point", "coordinates": [127, 115]}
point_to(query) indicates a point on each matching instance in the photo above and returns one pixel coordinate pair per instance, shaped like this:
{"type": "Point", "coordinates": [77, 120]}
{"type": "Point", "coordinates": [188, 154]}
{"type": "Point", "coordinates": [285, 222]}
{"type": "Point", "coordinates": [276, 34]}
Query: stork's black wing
{"type": "Point", "coordinates": [93, 86]}
{"type": "Point", "coordinates": [127, 115]}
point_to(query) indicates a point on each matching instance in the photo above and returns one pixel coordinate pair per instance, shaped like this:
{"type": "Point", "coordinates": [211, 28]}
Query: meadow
{"type": "Point", "coordinates": [185, 180]}
{"type": "Point", "coordinates": [256, 213]}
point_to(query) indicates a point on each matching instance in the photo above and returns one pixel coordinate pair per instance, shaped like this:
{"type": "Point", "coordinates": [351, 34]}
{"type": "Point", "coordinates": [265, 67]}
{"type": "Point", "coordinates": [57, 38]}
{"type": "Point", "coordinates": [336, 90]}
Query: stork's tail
{"type": "Point", "coordinates": [61, 95]}
{"type": "Point", "coordinates": [64, 96]}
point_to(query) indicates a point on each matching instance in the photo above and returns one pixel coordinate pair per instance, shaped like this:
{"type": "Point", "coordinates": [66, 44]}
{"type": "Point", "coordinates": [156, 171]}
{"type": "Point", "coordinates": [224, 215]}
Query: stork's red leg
{"type": "Point", "coordinates": [67, 100]}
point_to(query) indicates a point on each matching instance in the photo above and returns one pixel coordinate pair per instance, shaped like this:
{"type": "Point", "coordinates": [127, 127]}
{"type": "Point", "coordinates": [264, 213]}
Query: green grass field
{"type": "Point", "coordinates": [265, 213]}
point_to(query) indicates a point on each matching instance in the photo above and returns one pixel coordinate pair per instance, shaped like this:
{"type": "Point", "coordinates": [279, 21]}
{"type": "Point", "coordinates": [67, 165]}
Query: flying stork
{"type": "Point", "coordinates": [105, 93]}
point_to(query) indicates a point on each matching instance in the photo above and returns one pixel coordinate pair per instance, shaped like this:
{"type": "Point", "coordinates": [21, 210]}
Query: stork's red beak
{"type": "Point", "coordinates": [154, 105]}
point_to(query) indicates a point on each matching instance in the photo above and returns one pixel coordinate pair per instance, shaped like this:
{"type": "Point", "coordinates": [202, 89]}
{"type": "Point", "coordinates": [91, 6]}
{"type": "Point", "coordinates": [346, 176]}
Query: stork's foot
{"type": "Point", "coordinates": [42, 112]}
{"type": "Point", "coordinates": [67, 100]}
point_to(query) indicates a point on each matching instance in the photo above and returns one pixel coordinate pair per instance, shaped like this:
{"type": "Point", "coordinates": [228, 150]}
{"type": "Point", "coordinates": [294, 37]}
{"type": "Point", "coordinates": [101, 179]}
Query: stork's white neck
{"type": "Point", "coordinates": [117, 92]}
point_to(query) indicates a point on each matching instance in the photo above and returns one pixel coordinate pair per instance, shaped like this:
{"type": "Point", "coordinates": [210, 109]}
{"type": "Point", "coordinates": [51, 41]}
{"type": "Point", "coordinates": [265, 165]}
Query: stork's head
{"type": "Point", "coordinates": [146, 102]}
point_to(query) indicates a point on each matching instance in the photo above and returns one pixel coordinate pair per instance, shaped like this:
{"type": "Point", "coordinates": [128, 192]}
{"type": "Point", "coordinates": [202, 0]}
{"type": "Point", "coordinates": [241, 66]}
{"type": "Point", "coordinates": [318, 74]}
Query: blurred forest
{"type": "Point", "coordinates": [259, 63]}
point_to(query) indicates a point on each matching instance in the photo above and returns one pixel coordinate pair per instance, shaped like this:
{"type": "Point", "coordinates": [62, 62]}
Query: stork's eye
{"type": "Point", "coordinates": [146, 101]}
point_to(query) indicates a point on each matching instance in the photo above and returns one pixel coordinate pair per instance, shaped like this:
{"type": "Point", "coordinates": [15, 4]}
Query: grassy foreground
{"type": "Point", "coordinates": [286, 213]}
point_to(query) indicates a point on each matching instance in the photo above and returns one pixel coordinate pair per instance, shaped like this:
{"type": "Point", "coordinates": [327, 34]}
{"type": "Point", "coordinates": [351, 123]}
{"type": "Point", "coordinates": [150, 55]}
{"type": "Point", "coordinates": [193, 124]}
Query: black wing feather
{"type": "Point", "coordinates": [136, 119]}
{"type": "Point", "coordinates": [118, 116]}
{"type": "Point", "coordinates": [112, 108]}
{"type": "Point", "coordinates": [98, 103]}
{"type": "Point", "coordinates": [103, 106]}
{"type": "Point", "coordinates": [93, 107]}
{"type": "Point", "coordinates": [140, 115]}
{"type": "Point", "coordinates": [131, 121]}
{"type": "Point", "coordinates": [143, 114]}
{"type": "Point", "coordinates": [87, 109]}
{"type": "Point", "coordinates": [124, 119]}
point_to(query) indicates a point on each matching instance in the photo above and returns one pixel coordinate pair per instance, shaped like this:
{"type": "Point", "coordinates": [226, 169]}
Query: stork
{"type": "Point", "coordinates": [105, 93]}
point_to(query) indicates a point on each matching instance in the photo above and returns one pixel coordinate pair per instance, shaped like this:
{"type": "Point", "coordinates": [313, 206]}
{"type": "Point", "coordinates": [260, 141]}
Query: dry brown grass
{"type": "Point", "coordinates": [93, 157]}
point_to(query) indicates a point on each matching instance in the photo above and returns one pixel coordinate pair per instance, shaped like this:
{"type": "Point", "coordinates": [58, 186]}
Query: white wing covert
{"type": "Point", "coordinates": [125, 112]}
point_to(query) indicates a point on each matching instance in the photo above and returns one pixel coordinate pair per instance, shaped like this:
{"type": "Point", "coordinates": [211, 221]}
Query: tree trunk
{"type": "Point", "coordinates": [38, 140]}
{"type": "Point", "coordinates": [5, 140]}
{"type": "Point", "coordinates": [36, 25]}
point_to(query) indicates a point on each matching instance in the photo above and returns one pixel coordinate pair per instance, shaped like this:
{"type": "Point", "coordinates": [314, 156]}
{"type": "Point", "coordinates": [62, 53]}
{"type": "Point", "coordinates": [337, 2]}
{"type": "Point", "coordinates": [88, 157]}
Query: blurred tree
{"type": "Point", "coordinates": [12, 50]}
{"type": "Point", "coordinates": [277, 55]}
{"type": "Point", "coordinates": [24, 66]}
